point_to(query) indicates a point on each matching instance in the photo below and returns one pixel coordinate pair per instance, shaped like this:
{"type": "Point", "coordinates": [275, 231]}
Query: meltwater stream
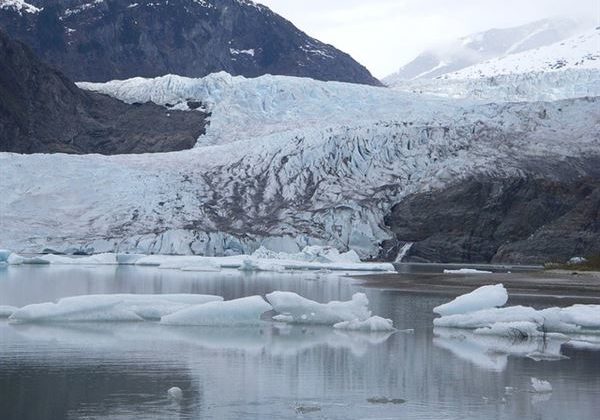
{"type": "Point", "coordinates": [124, 370]}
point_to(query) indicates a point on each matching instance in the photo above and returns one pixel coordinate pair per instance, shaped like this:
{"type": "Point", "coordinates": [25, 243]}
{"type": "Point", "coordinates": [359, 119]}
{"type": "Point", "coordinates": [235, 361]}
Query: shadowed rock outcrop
{"type": "Point", "coordinates": [522, 220]}
{"type": "Point", "coordinates": [41, 111]}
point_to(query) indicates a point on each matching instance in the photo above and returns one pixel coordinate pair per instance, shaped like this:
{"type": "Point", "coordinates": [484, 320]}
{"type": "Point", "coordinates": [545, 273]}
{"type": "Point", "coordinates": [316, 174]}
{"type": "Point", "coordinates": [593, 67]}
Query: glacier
{"type": "Point", "coordinates": [285, 163]}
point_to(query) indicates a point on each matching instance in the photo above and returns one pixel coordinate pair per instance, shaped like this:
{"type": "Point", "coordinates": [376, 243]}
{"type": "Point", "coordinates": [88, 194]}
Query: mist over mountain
{"type": "Point", "coordinates": [483, 46]}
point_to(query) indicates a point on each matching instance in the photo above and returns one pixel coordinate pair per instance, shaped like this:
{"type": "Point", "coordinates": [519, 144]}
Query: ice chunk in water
{"type": "Point", "coordinates": [6, 310]}
{"type": "Point", "coordinates": [246, 310]}
{"type": "Point", "coordinates": [373, 324]}
{"type": "Point", "coordinates": [297, 309]}
{"type": "Point", "coordinates": [467, 271]}
{"type": "Point", "coordinates": [4, 254]}
{"type": "Point", "coordinates": [539, 385]}
{"type": "Point", "coordinates": [250, 264]}
{"type": "Point", "coordinates": [482, 298]}
{"type": "Point", "coordinates": [106, 308]}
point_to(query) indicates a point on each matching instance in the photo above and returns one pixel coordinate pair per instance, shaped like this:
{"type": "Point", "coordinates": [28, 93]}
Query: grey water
{"type": "Point", "coordinates": [270, 371]}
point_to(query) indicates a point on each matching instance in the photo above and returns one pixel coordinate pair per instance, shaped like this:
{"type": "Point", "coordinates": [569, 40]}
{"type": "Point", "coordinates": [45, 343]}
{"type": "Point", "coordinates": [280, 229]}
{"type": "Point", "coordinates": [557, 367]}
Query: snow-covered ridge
{"type": "Point", "coordinates": [522, 87]}
{"type": "Point", "coordinates": [19, 6]}
{"type": "Point", "coordinates": [483, 46]}
{"type": "Point", "coordinates": [580, 52]}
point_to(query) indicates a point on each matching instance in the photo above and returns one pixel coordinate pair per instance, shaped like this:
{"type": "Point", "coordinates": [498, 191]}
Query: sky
{"type": "Point", "coordinates": [384, 34]}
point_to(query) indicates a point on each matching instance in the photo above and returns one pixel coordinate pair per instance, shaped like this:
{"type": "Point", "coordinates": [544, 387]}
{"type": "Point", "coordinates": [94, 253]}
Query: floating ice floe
{"type": "Point", "coordinates": [109, 308]}
{"type": "Point", "coordinates": [372, 324]}
{"type": "Point", "coordinates": [476, 310]}
{"type": "Point", "coordinates": [246, 310]}
{"type": "Point", "coordinates": [4, 254]}
{"type": "Point", "coordinates": [467, 271]}
{"type": "Point", "coordinates": [251, 264]}
{"type": "Point", "coordinates": [6, 310]}
{"type": "Point", "coordinates": [294, 308]}
{"type": "Point", "coordinates": [311, 258]}
{"type": "Point", "coordinates": [481, 298]}
{"type": "Point", "coordinates": [539, 385]}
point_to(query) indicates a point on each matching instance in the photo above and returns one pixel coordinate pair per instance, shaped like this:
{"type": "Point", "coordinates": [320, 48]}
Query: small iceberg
{"type": "Point", "coordinates": [539, 385]}
{"type": "Point", "coordinates": [478, 311]}
{"type": "Point", "coordinates": [251, 264]}
{"type": "Point", "coordinates": [6, 311]}
{"type": "Point", "coordinates": [108, 308]}
{"type": "Point", "coordinates": [246, 310]}
{"type": "Point", "coordinates": [175, 393]}
{"type": "Point", "coordinates": [482, 298]}
{"type": "Point", "coordinates": [4, 254]}
{"type": "Point", "coordinates": [372, 324]}
{"type": "Point", "coordinates": [467, 271]}
{"type": "Point", "coordinates": [294, 308]}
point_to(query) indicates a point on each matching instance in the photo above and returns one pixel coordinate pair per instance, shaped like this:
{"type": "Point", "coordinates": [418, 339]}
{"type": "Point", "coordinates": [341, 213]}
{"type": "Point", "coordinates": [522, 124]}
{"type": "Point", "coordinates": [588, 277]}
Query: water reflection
{"type": "Point", "coordinates": [119, 371]}
{"type": "Point", "coordinates": [492, 352]}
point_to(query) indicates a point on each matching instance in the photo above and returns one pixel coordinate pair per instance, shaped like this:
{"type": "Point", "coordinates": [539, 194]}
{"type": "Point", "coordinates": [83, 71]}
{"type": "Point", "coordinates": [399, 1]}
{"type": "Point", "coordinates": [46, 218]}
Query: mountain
{"type": "Point", "coordinates": [483, 46]}
{"type": "Point", "coordinates": [579, 52]}
{"type": "Point", "coordinates": [100, 40]}
{"type": "Point", "coordinates": [283, 164]}
{"type": "Point", "coordinates": [41, 111]}
{"type": "Point", "coordinates": [566, 69]}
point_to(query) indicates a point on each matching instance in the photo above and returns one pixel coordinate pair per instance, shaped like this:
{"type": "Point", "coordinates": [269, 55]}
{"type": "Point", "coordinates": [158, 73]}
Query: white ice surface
{"type": "Point", "coordinates": [372, 324]}
{"type": "Point", "coordinates": [241, 311]}
{"type": "Point", "coordinates": [109, 308]}
{"type": "Point", "coordinates": [467, 271]}
{"type": "Point", "coordinates": [540, 385]}
{"type": "Point", "coordinates": [293, 308]}
{"type": "Point", "coordinates": [477, 310]}
{"type": "Point", "coordinates": [311, 258]}
{"type": "Point", "coordinates": [482, 298]}
{"type": "Point", "coordinates": [7, 310]}
{"type": "Point", "coordinates": [4, 254]}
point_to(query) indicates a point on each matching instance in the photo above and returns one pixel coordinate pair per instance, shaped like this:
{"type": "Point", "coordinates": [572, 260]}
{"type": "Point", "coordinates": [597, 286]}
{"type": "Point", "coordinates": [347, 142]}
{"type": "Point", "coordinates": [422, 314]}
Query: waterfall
{"type": "Point", "coordinates": [403, 251]}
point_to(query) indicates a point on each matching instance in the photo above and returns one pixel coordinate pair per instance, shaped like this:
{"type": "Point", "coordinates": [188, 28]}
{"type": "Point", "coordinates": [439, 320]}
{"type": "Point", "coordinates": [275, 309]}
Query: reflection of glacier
{"type": "Point", "coordinates": [492, 352]}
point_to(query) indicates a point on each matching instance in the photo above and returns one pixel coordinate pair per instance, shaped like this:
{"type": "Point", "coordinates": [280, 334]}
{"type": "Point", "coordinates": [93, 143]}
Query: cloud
{"type": "Point", "coordinates": [384, 34]}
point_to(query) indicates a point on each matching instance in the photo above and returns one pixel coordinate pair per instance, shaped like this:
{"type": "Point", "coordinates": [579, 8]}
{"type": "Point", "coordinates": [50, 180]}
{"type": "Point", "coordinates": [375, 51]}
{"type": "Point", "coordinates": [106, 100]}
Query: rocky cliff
{"type": "Point", "coordinates": [100, 40]}
{"type": "Point", "coordinates": [41, 111]}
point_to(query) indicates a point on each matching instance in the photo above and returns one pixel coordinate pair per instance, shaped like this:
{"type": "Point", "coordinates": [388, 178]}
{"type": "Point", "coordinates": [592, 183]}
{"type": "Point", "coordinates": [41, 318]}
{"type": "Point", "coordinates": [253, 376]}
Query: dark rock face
{"type": "Point", "coordinates": [41, 111]}
{"type": "Point", "coordinates": [100, 40]}
{"type": "Point", "coordinates": [518, 220]}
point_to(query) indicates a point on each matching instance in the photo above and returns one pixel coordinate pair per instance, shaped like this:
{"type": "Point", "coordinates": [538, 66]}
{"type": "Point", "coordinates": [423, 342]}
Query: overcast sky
{"type": "Point", "coordinates": [384, 34]}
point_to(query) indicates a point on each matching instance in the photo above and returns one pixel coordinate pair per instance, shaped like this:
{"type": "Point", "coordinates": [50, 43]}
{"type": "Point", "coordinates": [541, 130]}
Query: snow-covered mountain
{"type": "Point", "coordinates": [566, 69]}
{"type": "Point", "coordinates": [483, 46]}
{"type": "Point", "coordinates": [579, 52]}
{"type": "Point", "coordinates": [289, 162]}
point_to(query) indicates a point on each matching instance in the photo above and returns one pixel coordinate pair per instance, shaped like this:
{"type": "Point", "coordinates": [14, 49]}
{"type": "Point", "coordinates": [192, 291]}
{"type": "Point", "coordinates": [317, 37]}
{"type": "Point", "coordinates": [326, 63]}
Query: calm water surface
{"type": "Point", "coordinates": [122, 371]}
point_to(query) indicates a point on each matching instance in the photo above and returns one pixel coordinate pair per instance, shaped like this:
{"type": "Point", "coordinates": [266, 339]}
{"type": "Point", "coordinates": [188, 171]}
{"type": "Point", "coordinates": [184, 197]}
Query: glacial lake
{"type": "Point", "coordinates": [271, 371]}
